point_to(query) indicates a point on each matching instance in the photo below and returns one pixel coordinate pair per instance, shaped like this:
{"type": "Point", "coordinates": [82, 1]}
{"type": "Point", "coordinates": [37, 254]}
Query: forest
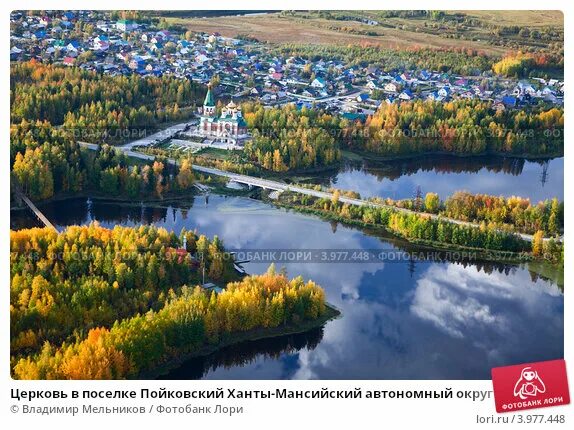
{"type": "Point", "coordinates": [421, 228]}
{"type": "Point", "coordinates": [52, 107]}
{"type": "Point", "coordinates": [286, 138]}
{"type": "Point", "coordinates": [462, 61]}
{"type": "Point", "coordinates": [48, 161]}
{"type": "Point", "coordinates": [89, 275]}
{"type": "Point", "coordinates": [469, 127]}
{"type": "Point", "coordinates": [95, 303]}
{"type": "Point", "coordinates": [289, 139]}
{"type": "Point", "coordinates": [520, 65]}
{"type": "Point", "coordinates": [507, 213]}
{"type": "Point", "coordinates": [94, 107]}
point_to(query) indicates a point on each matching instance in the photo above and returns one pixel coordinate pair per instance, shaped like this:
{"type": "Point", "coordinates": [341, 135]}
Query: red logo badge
{"type": "Point", "coordinates": [530, 385]}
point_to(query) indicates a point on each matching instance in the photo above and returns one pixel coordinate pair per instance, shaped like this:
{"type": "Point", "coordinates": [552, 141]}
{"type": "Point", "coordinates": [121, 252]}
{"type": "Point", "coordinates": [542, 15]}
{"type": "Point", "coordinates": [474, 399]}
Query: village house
{"type": "Point", "coordinates": [391, 87]}
{"type": "Point", "coordinates": [126, 25]}
{"type": "Point", "coordinates": [248, 69]}
{"type": "Point", "coordinates": [318, 83]}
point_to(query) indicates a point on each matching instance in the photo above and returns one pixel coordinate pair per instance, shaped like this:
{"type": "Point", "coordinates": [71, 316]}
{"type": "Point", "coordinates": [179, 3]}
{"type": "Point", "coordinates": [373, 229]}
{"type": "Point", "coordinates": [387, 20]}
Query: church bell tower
{"type": "Point", "coordinates": [209, 103]}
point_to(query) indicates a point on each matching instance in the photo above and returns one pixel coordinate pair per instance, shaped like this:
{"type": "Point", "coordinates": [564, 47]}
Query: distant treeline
{"type": "Point", "coordinates": [459, 127]}
{"type": "Point", "coordinates": [421, 228]}
{"type": "Point", "coordinates": [509, 213]}
{"type": "Point", "coordinates": [417, 227]}
{"type": "Point", "coordinates": [462, 61]}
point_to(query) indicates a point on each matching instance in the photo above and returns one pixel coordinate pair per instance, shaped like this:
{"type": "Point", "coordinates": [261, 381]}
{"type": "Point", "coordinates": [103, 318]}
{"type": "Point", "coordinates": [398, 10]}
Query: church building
{"type": "Point", "coordinates": [229, 127]}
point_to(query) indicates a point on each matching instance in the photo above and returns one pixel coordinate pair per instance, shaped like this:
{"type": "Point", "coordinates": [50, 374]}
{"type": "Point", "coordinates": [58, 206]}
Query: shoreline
{"type": "Point", "coordinates": [178, 360]}
{"type": "Point", "coordinates": [439, 246]}
{"type": "Point", "coordinates": [539, 266]}
{"type": "Point", "coordinates": [536, 265]}
{"type": "Point", "coordinates": [326, 216]}
{"type": "Point", "coordinates": [215, 188]}
{"type": "Point", "coordinates": [98, 196]}
{"type": "Point", "coordinates": [353, 155]}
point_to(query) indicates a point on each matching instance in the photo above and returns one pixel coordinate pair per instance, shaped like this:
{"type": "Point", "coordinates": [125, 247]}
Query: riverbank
{"type": "Point", "coordinates": [480, 253]}
{"type": "Point", "coordinates": [248, 336]}
{"type": "Point", "coordinates": [549, 270]}
{"type": "Point", "coordinates": [216, 187]}
{"type": "Point", "coordinates": [370, 156]}
{"type": "Point", "coordinates": [96, 195]}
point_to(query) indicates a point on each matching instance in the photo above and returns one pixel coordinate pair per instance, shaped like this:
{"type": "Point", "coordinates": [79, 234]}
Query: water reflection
{"type": "Point", "coordinates": [255, 354]}
{"type": "Point", "coordinates": [537, 179]}
{"type": "Point", "coordinates": [406, 319]}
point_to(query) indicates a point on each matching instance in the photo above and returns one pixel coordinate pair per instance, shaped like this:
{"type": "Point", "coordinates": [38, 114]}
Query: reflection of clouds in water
{"type": "Point", "coordinates": [497, 313]}
{"type": "Point", "coordinates": [461, 323]}
{"type": "Point", "coordinates": [457, 299]}
{"type": "Point", "coordinates": [526, 184]}
{"type": "Point", "coordinates": [351, 345]}
{"type": "Point", "coordinates": [447, 321]}
{"type": "Point", "coordinates": [451, 322]}
{"type": "Point", "coordinates": [448, 299]}
{"type": "Point", "coordinates": [237, 228]}
{"type": "Point", "coordinates": [265, 229]}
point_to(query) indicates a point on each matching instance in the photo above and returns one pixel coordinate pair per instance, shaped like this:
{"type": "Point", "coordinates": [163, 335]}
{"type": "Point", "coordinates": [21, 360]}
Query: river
{"type": "Point", "coordinates": [401, 319]}
{"type": "Point", "coordinates": [535, 179]}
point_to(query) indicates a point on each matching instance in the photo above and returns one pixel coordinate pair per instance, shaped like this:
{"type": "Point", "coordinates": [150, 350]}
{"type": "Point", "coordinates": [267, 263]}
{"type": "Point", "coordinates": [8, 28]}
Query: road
{"type": "Point", "coordinates": [280, 186]}
{"type": "Point", "coordinates": [159, 136]}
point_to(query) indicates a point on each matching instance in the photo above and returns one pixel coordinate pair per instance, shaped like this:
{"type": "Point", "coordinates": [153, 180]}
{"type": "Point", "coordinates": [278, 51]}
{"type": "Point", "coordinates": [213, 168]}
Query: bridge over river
{"type": "Point", "coordinates": [269, 184]}
{"type": "Point", "coordinates": [20, 194]}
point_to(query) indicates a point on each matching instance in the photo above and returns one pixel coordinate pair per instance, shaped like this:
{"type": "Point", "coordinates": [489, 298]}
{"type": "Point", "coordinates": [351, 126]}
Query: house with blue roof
{"type": "Point", "coordinates": [158, 46]}
{"type": "Point", "coordinates": [39, 35]}
{"type": "Point", "coordinates": [73, 46]}
{"type": "Point", "coordinates": [363, 97]}
{"type": "Point", "coordinates": [406, 95]}
{"type": "Point", "coordinates": [444, 92]}
{"type": "Point", "coordinates": [425, 75]}
{"type": "Point", "coordinates": [509, 101]}
{"type": "Point", "coordinates": [398, 79]}
{"type": "Point", "coordinates": [69, 16]}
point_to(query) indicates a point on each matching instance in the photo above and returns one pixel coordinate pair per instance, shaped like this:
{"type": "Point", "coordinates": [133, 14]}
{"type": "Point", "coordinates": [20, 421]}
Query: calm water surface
{"type": "Point", "coordinates": [400, 320]}
{"type": "Point", "coordinates": [537, 180]}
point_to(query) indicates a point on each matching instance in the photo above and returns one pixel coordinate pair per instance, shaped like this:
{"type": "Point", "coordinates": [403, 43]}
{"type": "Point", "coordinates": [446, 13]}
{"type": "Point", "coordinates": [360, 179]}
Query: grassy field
{"type": "Point", "coordinates": [218, 154]}
{"type": "Point", "coordinates": [529, 18]}
{"type": "Point", "coordinates": [275, 29]}
{"type": "Point", "coordinates": [393, 32]}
